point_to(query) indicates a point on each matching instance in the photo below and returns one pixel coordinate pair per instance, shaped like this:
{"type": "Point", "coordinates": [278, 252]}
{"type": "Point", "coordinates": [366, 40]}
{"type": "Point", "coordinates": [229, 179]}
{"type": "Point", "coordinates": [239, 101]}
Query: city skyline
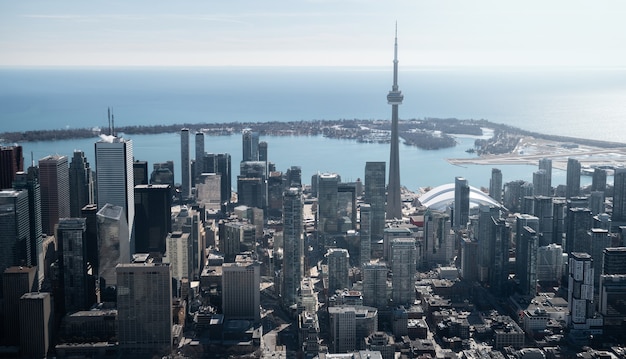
{"type": "Point", "coordinates": [311, 33]}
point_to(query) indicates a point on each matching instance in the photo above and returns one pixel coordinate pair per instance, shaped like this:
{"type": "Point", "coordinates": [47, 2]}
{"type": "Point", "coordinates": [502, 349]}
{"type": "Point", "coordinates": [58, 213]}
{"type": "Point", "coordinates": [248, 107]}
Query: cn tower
{"type": "Point", "coordinates": [394, 98]}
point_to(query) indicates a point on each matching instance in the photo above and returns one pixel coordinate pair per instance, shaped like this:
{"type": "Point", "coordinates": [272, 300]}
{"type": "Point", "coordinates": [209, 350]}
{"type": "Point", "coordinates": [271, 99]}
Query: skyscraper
{"type": "Point", "coordinates": [293, 262]}
{"type": "Point", "coordinates": [35, 311]}
{"type": "Point", "coordinates": [81, 183]}
{"type": "Point", "coordinates": [153, 212]}
{"type": "Point", "coordinates": [78, 285]}
{"type": "Point", "coordinates": [573, 178]}
{"type": "Point", "coordinates": [365, 233]}
{"type": "Point", "coordinates": [11, 162]}
{"type": "Point", "coordinates": [598, 182]}
{"type": "Point", "coordinates": [375, 195]}
{"type": "Point", "coordinates": [185, 165]}
{"type": "Point", "coordinates": [546, 165]}
{"type": "Point", "coordinates": [15, 233]}
{"type": "Point", "coordinates": [403, 258]}
{"type": "Point", "coordinates": [30, 182]}
{"type": "Point", "coordinates": [461, 202]}
{"type": "Point", "coordinates": [115, 178]}
{"type": "Point", "coordinates": [199, 169]}
{"type": "Point", "coordinates": [328, 184]}
{"type": "Point", "coordinates": [374, 284]}
{"type": "Point", "coordinates": [619, 196]}
{"type": "Point", "coordinates": [144, 309]}
{"type": "Point", "coordinates": [113, 246]}
{"type": "Point", "coordinates": [394, 98]}
{"type": "Point", "coordinates": [241, 294]}
{"type": "Point", "coordinates": [263, 151]}
{"type": "Point", "coordinates": [16, 281]}
{"type": "Point", "coordinates": [55, 191]}
{"type": "Point", "coordinates": [495, 184]}
{"type": "Point", "coordinates": [250, 145]}
{"type": "Point", "coordinates": [338, 266]}
{"type": "Point", "coordinates": [140, 172]}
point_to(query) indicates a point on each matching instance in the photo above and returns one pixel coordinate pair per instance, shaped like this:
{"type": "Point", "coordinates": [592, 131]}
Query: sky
{"type": "Point", "coordinates": [312, 33]}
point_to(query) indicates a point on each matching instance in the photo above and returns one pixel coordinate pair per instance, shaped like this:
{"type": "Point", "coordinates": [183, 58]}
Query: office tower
{"type": "Point", "coordinates": [153, 217]}
{"type": "Point", "coordinates": [36, 316]}
{"type": "Point", "coordinates": [542, 209]}
{"type": "Point", "coordinates": [381, 342]}
{"type": "Point", "coordinates": [16, 281]}
{"type": "Point", "coordinates": [179, 255]}
{"type": "Point", "coordinates": [394, 98]}
{"type": "Point", "coordinates": [275, 188]}
{"type": "Point", "coordinates": [114, 179]}
{"type": "Point", "coordinates": [241, 294]}
{"type": "Point", "coordinates": [580, 296]}
{"type": "Point", "coordinates": [526, 267]}
{"type": "Point", "coordinates": [438, 239]}
{"type": "Point", "coordinates": [15, 240]}
{"type": "Point", "coordinates": [250, 145]}
{"type": "Point", "coordinates": [600, 240]}
{"type": "Point", "coordinates": [209, 191]}
{"type": "Point", "coordinates": [263, 151]}
{"type": "Point", "coordinates": [484, 234]}
{"type": "Point", "coordinates": [578, 223]}
{"type": "Point", "coordinates": [221, 164]}
{"type": "Point", "coordinates": [545, 164]}
{"type": "Point", "coordinates": [403, 259]}
{"type": "Point", "coordinates": [559, 212]}
{"type": "Point", "coordinates": [499, 269]}
{"type": "Point", "coordinates": [163, 173]}
{"type": "Point", "coordinates": [234, 236]}
{"type": "Point", "coordinates": [55, 191]}
{"type": "Point", "coordinates": [185, 163]}
{"type": "Point", "coordinates": [346, 206]}
{"type": "Point", "coordinates": [81, 183]}
{"type": "Point", "coordinates": [541, 187]}
{"type": "Point", "coordinates": [619, 196]}
{"type": "Point", "coordinates": [573, 178]}
{"type": "Point", "coordinates": [294, 177]}
{"type": "Point", "coordinates": [338, 267]}
{"type": "Point", "coordinates": [614, 260]}
{"type": "Point", "coordinates": [375, 195]}
{"type": "Point", "coordinates": [365, 233]}
{"type": "Point", "coordinates": [514, 192]}
{"type": "Point", "coordinates": [144, 309]}
{"type": "Point", "coordinates": [113, 247]}
{"type": "Point", "coordinates": [11, 162]}
{"type": "Point", "coordinates": [78, 285]}
{"type": "Point", "coordinates": [495, 185]}
{"type": "Point", "coordinates": [611, 300]}
{"type": "Point", "coordinates": [374, 284]}
{"type": "Point", "coordinates": [469, 253]}
{"type": "Point", "coordinates": [349, 326]}
{"type": "Point", "coordinates": [550, 264]}
{"type": "Point", "coordinates": [596, 203]}
{"type": "Point", "coordinates": [189, 220]}
{"type": "Point", "coordinates": [461, 202]}
{"type": "Point", "coordinates": [199, 154]}
{"type": "Point", "coordinates": [327, 221]}
{"type": "Point", "coordinates": [90, 213]}
{"type": "Point", "coordinates": [598, 181]}
{"type": "Point", "coordinates": [140, 172]}
{"type": "Point", "coordinates": [30, 182]}
{"type": "Point", "coordinates": [293, 245]}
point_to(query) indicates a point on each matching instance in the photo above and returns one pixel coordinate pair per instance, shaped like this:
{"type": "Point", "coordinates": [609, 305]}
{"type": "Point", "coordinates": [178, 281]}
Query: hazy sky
{"type": "Point", "coordinates": [312, 33]}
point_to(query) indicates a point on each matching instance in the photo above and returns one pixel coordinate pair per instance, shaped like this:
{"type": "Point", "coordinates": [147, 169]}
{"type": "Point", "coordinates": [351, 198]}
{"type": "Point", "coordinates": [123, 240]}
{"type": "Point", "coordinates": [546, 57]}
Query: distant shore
{"type": "Point", "coordinates": [429, 133]}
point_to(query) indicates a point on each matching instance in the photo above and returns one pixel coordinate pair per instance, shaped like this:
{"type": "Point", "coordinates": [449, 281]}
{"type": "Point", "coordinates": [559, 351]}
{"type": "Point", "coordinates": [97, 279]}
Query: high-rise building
{"type": "Point", "coordinates": [294, 177]}
{"type": "Point", "coordinates": [438, 239]}
{"type": "Point", "coordinates": [543, 210]}
{"type": "Point", "coordinates": [15, 240]}
{"type": "Point", "coordinates": [600, 240]}
{"type": "Point", "coordinates": [153, 217]}
{"type": "Point", "coordinates": [163, 173]}
{"type": "Point", "coordinates": [11, 162]}
{"type": "Point", "coordinates": [469, 253]}
{"type": "Point", "coordinates": [241, 294]}
{"type": "Point", "coordinates": [394, 98]}
{"type": "Point", "coordinates": [578, 223]}
{"type": "Point", "coordinates": [81, 183]}
{"type": "Point", "coordinates": [209, 191]}
{"type": "Point", "coordinates": [514, 192]}
{"type": "Point", "coordinates": [35, 313]}
{"type": "Point", "coordinates": [550, 264]}
{"type": "Point", "coordinates": [16, 281]}
{"type": "Point", "coordinates": [614, 260]}
{"type": "Point", "coordinates": [113, 246]}
{"type": "Point", "coordinates": [275, 187]}
{"type": "Point", "coordinates": [140, 172]}
{"type": "Point", "coordinates": [349, 326]}
{"type": "Point", "coordinates": [541, 187]}
{"type": "Point", "coordinates": [545, 164]}
{"type": "Point", "coordinates": [220, 164]}
{"type": "Point", "coordinates": [611, 299]}
{"type": "Point", "coordinates": [338, 269]}
{"type": "Point", "coordinates": [189, 220]}
{"type": "Point", "coordinates": [78, 285]}
{"type": "Point", "coordinates": [375, 195]}
{"type": "Point", "coordinates": [179, 255]}
{"type": "Point", "coordinates": [619, 196]}
{"type": "Point", "coordinates": [30, 182]}
{"type": "Point", "coordinates": [114, 178]}
{"type": "Point", "coordinates": [55, 191]}
{"type": "Point", "coordinates": [185, 163]}
{"type": "Point", "coordinates": [236, 237]}
{"type": "Point", "coordinates": [495, 185]}
{"type": "Point", "coordinates": [461, 202]}
{"type": "Point", "coordinates": [403, 259]}
{"type": "Point", "coordinates": [250, 145]}
{"type": "Point", "coordinates": [199, 169]}
{"type": "Point", "coordinates": [374, 284]}
{"type": "Point", "coordinates": [90, 213]}
{"type": "Point", "coordinates": [365, 233]}
{"type": "Point", "coordinates": [327, 221]}
{"type": "Point", "coordinates": [598, 181]}
{"type": "Point", "coordinates": [144, 309]}
{"type": "Point", "coordinates": [580, 296]}
{"type": "Point", "coordinates": [293, 243]}
{"type": "Point", "coordinates": [573, 178]}
{"type": "Point", "coordinates": [263, 151]}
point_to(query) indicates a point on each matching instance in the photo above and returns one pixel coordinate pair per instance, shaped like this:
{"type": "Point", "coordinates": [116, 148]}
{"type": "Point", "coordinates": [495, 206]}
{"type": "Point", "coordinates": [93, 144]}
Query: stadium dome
{"type": "Point", "coordinates": [439, 198]}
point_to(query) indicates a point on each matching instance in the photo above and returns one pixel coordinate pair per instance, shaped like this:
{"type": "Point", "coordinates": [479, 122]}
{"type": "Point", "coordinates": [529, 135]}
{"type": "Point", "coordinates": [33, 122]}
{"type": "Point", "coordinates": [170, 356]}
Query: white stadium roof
{"type": "Point", "coordinates": [439, 198]}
